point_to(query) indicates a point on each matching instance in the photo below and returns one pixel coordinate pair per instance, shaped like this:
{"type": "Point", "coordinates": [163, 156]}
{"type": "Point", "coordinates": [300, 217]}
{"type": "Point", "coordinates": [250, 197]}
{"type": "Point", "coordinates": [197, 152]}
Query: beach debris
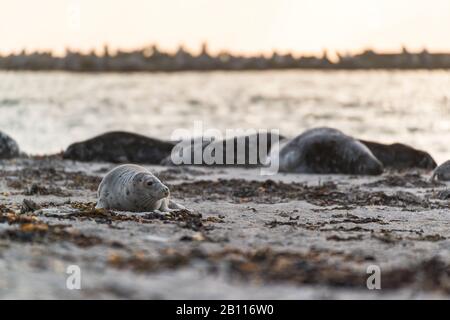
{"type": "Point", "coordinates": [183, 218]}
{"type": "Point", "coordinates": [392, 236]}
{"type": "Point", "coordinates": [155, 238]}
{"type": "Point", "coordinates": [33, 230]}
{"type": "Point", "coordinates": [29, 205]}
{"type": "Point", "coordinates": [198, 236]}
{"type": "Point", "coordinates": [37, 189]}
{"type": "Point", "coordinates": [407, 180]}
{"type": "Point", "coordinates": [314, 267]}
{"type": "Point", "coordinates": [49, 180]}
{"type": "Point", "coordinates": [181, 173]}
{"type": "Point", "coordinates": [139, 262]}
{"type": "Point", "coordinates": [336, 237]}
{"type": "Point", "coordinates": [4, 208]}
{"type": "Point", "coordinates": [327, 194]}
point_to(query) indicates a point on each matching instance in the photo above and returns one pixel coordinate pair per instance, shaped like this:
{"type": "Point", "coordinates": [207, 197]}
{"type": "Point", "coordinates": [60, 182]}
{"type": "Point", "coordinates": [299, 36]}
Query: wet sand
{"type": "Point", "coordinates": [257, 237]}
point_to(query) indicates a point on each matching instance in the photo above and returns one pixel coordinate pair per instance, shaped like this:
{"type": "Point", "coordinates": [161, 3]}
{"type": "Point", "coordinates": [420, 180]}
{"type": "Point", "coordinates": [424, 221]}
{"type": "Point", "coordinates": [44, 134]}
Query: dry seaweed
{"type": "Point", "coordinates": [242, 191]}
{"type": "Point", "coordinates": [313, 267]}
{"type": "Point", "coordinates": [183, 218]}
{"type": "Point", "coordinates": [32, 230]}
{"type": "Point", "coordinates": [49, 180]}
{"type": "Point", "coordinates": [411, 180]}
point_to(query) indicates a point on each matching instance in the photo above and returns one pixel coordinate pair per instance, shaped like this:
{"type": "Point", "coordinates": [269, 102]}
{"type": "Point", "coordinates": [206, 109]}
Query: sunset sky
{"type": "Point", "coordinates": [245, 26]}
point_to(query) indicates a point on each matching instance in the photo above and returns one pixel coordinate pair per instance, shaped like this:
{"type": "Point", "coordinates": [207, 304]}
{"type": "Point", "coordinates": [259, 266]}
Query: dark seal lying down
{"type": "Point", "coordinates": [400, 156]}
{"type": "Point", "coordinates": [319, 150]}
{"type": "Point", "coordinates": [442, 172]}
{"type": "Point", "coordinates": [120, 147]}
{"type": "Point", "coordinates": [8, 147]}
{"type": "Point", "coordinates": [326, 150]}
{"type": "Point", "coordinates": [244, 151]}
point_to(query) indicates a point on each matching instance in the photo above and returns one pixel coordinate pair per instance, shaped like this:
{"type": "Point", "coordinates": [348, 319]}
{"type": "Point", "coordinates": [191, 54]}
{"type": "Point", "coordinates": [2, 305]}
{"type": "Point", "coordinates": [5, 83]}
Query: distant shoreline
{"type": "Point", "coordinates": [151, 59]}
{"type": "Point", "coordinates": [331, 70]}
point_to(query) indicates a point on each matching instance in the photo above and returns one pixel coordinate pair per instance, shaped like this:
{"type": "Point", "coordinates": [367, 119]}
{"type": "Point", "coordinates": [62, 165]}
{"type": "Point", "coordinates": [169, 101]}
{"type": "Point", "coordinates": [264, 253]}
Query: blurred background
{"type": "Point", "coordinates": [70, 69]}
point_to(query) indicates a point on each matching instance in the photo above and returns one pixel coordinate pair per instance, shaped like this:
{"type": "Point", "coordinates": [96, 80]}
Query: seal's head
{"type": "Point", "coordinates": [149, 186]}
{"type": "Point", "coordinates": [363, 161]}
{"type": "Point", "coordinates": [426, 161]}
{"type": "Point", "coordinates": [76, 151]}
{"type": "Point", "coordinates": [366, 162]}
{"type": "Point", "coordinates": [413, 157]}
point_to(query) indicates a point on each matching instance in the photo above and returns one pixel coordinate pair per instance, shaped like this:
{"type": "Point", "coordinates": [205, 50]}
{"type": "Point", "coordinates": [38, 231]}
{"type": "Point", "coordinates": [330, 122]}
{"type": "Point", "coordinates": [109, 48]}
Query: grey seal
{"type": "Point", "coordinates": [8, 147]}
{"type": "Point", "coordinates": [120, 147]}
{"type": "Point", "coordinates": [133, 188]}
{"type": "Point", "coordinates": [400, 156]}
{"type": "Point", "coordinates": [442, 172]}
{"type": "Point", "coordinates": [326, 151]}
{"type": "Point", "coordinates": [240, 151]}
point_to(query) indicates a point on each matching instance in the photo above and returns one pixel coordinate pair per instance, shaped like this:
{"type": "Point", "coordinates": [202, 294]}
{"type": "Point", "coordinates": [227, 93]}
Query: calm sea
{"type": "Point", "coordinates": [46, 111]}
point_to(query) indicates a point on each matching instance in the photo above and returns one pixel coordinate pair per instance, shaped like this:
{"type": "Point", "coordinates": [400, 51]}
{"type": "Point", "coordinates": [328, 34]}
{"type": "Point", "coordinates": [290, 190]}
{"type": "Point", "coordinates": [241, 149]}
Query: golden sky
{"type": "Point", "coordinates": [246, 26]}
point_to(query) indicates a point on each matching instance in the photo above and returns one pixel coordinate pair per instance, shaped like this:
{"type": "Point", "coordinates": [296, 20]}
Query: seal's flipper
{"type": "Point", "coordinates": [164, 208]}
{"type": "Point", "coordinates": [99, 205]}
{"type": "Point", "coordinates": [176, 206]}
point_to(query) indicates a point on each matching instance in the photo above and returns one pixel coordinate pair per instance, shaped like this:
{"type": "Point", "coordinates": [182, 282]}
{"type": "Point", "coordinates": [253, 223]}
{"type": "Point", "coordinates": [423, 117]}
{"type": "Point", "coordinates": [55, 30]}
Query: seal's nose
{"type": "Point", "coordinates": [375, 168]}
{"type": "Point", "coordinates": [166, 191]}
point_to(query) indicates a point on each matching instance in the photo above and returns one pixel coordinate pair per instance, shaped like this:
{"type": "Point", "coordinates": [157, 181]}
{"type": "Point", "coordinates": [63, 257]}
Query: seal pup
{"type": "Point", "coordinates": [133, 188]}
{"type": "Point", "coordinates": [8, 147]}
{"type": "Point", "coordinates": [240, 151]}
{"type": "Point", "coordinates": [442, 172]}
{"type": "Point", "coordinates": [120, 147]}
{"type": "Point", "coordinates": [326, 151]}
{"type": "Point", "coordinates": [400, 156]}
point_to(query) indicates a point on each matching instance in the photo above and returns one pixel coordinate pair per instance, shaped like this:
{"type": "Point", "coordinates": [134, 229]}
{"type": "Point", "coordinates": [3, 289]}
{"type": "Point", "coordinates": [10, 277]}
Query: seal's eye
{"type": "Point", "coordinates": [150, 183]}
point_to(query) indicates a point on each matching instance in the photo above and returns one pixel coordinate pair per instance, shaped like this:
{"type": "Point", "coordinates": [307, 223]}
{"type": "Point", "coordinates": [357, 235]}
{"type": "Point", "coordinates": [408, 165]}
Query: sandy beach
{"type": "Point", "coordinates": [287, 236]}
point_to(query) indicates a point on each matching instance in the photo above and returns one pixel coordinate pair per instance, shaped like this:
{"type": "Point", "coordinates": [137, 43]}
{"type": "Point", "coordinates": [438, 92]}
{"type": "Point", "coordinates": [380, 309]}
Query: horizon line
{"type": "Point", "coordinates": [100, 51]}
